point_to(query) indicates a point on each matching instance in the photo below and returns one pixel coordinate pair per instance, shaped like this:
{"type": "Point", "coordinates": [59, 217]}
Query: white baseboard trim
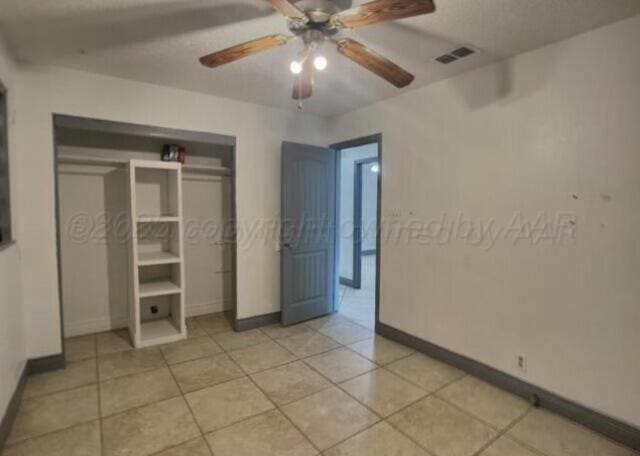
{"type": "Point", "coordinates": [194, 310]}
{"type": "Point", "coordinates": [81, 328]}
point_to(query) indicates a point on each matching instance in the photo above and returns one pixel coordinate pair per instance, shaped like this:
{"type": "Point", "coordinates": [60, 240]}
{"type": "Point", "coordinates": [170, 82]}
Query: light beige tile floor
{"type": "Point", "coordinates": [279, 392]}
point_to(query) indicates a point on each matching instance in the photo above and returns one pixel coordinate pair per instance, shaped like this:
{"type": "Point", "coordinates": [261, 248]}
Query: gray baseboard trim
{"type": "Point", "coordinates": [245, 324]}
{"type": "Point", "coordinates": [45, 364]}
{"type": "Point", "coordinates": [12, 409]}
{"type": "Point", "coordinates": [31, 367]}
{"type": "Point", "coordinates": [347, 282]}
{"type": "Point", "coordinates": [610, 427]}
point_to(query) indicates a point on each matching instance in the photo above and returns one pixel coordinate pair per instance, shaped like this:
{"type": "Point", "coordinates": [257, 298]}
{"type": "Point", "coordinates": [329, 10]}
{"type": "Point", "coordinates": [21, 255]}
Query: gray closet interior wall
{"type": "Point", "coordinates": [93, 226]}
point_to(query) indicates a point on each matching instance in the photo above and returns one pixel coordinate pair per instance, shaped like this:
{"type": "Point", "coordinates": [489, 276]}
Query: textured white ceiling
{"type": "Point", "coordinates": [159, 41]}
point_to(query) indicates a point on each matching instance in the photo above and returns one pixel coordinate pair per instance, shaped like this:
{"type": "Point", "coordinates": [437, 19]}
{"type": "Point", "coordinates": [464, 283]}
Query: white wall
{"type": "Point", "coordinates": [259, 131]}
{"type": "Point", "coordinates": [12, 348]}
{"type": "Point", "coordinates": [524, 135]}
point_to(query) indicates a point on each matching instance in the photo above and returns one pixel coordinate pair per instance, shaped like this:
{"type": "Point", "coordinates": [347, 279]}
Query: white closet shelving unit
{"type": "Point", "coordinates": [157, 311]}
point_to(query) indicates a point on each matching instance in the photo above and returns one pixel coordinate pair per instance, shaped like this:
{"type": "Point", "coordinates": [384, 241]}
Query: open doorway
{"type": "Point", "coordinates": [359, 164]}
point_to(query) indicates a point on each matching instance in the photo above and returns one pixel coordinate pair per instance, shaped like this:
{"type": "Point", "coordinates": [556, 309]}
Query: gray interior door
{"type": "Point", "coordinates": [308, 232]}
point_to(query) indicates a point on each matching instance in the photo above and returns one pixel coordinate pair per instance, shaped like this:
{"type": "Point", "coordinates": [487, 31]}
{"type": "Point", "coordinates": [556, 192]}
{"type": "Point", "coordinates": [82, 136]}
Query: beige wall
{"type": "Point", "coordinates": [259, 131]}
{"type": "Point", "coordinates": [12, 346]}
{"type": "Point", "coordinates": [523, 136]}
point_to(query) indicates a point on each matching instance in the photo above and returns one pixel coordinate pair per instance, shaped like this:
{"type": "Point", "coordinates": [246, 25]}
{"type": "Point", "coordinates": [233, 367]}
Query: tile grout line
{"type": "Point", "coordinates": [330, 381]}
{"type": "Point", "coordinates": [276, 406]}
{"type": "Point", "coordinates": [19, 442]}
{"type": "Point", "coordinates": [186, 402]}
{"type": "Point", "coordinates": [333, 384]}
{"type": "Point", "coordinates": [244, 374]}
{"type": "Point", "coordinates": [286, 417]}
{"type": "Point", "coordinates": [98, 382]}
{"type": "Point", "coordinates": [500, 433]}
{"type": "Point", "coordinates": [384, 419]}
{"type": "Point", "coordinates": [63, 390]}
{"type": "Point", "coordinates": [503, 432]}
{"type": "Point", "coordinates": [300, 359]}
{"type": "Point", "coordinates": [525, 445]}
{"type": "Point", "coordinates": [451, 382]}
{"type": "Point", "coordinates": [175, 446]}
{"type": "Point", "coordinates": [100, 426]}
{"type": "Point", "coordinates": [431, 394]}
{"type": "Point", "coordinates": [381, 419]}
{"type": "Point", "coordinates": [361, 431]}
{"type": "Point", "coordinates": [473, 415]}
{"type": "Point", "coordinates": [297, 360]}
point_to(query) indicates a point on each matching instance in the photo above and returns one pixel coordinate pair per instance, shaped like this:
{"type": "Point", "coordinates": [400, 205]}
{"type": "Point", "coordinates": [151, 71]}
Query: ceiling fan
{"type": "Point", "coordinates": [318, 21]}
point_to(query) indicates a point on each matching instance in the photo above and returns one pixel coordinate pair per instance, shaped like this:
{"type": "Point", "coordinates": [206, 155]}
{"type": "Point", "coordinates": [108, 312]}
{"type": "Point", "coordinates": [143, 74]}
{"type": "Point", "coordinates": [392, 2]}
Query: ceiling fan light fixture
{"type": "Point", "coordinates": [295, 67]}
{"type": "Point", "coordinates": [320, 62]}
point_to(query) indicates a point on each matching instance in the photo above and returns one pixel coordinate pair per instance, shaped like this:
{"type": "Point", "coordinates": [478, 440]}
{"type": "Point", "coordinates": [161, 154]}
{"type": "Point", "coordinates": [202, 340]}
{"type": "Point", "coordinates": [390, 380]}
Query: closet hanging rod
{"type": "Point", "coordinates": [72, 159]}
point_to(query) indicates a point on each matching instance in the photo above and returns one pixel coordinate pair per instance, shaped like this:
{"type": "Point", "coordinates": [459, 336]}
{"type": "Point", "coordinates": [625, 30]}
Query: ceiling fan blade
{"type": "Point", "coordinates": [374, 62]}
{"type": "Point", "coordinates": [381, 11]}
{"type": "Point", "coordinates": [303, 84]}
{"type": "Point", "coordinates": [243, 50]}
{"type": "Point", "coordinates": [288, 9]}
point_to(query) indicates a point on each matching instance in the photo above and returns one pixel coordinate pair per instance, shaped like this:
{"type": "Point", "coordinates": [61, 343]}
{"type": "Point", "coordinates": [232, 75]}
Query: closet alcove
{"type": "Point", "coordinates": [93, 161]}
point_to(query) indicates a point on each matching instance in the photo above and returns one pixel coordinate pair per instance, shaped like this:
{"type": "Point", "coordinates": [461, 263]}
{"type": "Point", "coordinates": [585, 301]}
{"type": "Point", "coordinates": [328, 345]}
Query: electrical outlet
{"type": "Point", "coordinates": [521, 362]}
{"type": "Point", "coordinates": [154, 309]}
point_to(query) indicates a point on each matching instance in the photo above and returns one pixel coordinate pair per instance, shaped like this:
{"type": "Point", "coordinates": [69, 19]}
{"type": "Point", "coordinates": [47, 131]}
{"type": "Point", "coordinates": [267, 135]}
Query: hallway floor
{"type": "Point", "coordinates": [359, 305]}
{"type": "Point", "coordinates": [323, 387]}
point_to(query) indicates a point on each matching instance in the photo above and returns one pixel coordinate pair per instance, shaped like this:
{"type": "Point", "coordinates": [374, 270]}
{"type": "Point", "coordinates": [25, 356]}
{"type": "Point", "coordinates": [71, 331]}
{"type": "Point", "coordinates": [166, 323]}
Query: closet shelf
{"type": "Point", "coordinates": [157, 219]}
{"type": "Point", "coordinates": [207, 169]}
{"type": "Point", "coordinates": [155, 258]}
{"type": "Point", "coordinates": [76, 160]}
{"type": "Point", "coordinates": [158, 288]}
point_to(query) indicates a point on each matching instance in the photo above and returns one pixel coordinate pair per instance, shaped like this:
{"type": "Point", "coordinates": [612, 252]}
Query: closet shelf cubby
{"type": "Point", "coordinates": [158, 288]}
{"type": "Point", "coordinates": [157, 258]}
{"type": "Point", "coordinates": [153, 330]}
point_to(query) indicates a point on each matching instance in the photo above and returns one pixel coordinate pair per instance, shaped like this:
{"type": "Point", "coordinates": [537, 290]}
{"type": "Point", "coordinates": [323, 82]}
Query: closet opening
{"type": "Point", "coordinates": [143, 244]}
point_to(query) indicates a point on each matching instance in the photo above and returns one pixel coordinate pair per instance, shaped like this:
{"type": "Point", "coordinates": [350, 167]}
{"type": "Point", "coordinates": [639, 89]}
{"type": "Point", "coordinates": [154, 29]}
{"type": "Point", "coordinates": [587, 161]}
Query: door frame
{"type": "Point", "coordinates": [357, 220]}
{"type": "Point", "coordinates": [361, 141]}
